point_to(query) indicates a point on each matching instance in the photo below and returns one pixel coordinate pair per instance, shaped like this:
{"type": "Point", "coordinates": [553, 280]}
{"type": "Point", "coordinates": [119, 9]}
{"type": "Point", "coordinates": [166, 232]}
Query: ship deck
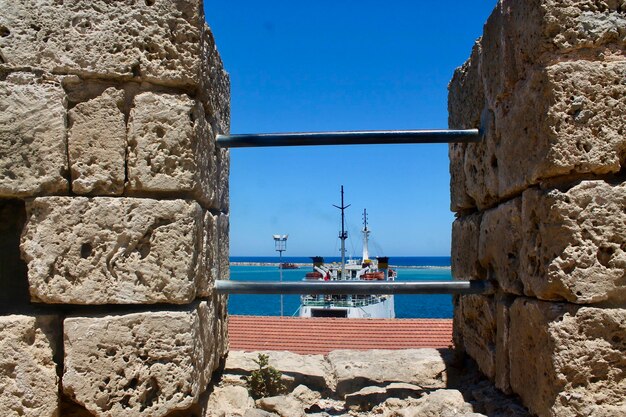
{"type": "Point", "coordinates": [321, 335]}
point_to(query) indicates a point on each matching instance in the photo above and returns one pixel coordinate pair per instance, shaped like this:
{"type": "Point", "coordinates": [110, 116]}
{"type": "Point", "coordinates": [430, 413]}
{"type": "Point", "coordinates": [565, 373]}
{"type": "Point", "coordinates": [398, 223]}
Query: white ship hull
{"type": "Point", "coordinates": [379, 310]}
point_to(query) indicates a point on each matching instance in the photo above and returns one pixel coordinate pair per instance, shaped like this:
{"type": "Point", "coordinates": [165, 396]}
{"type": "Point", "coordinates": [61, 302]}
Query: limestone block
{"type": "Point", "coordinates": [228, 400]}
{"type": "Point", "coordinates": [223, 173]}
{"type": "Point", "coordinates": [500, 245]}
{"type": "Point", "coordinates": [170, 148]}
{"type": "Point", "coordinates": [28, 378]}
{"type": "Point", "coordinates": [309, 370]}
{"type": "Point", "coordinates": [475, 327]}
{"type": "Point", "coordinates": [106, 250]}
{"type": "Point", "coordinates": [209, 254]}
{"type": "Point", "coordinates": [465, 244]}
{"type": "Point", "coordinates": [156, 41]}
{"type": "Point", "coordinates": [33, 156]}
{"type": "Point", "coordinates": [503, 341]}
{"type": "Point", "coordinates": [522, 35]}
{"type": "Point", "coordinates": [568, 360]}
{"type": "Point", "coordinates": [283, 405]}
{"type": "Point", "coordinates": [356, 370]}
{"type": "Point", "coordinates": [575, 243]}
{"type": "Point", "coordinates": [223, 239]}
{"type": "Point", "coordinates": [567, 119]}
{"type": "Point", "coordinates": [97, 145]}
{"type": "Point", "coordinates": [141, 364]}
{"type": "Point", "coordinates": [465, 104]}
{"type": "Point", "coordinates": [214, 90]}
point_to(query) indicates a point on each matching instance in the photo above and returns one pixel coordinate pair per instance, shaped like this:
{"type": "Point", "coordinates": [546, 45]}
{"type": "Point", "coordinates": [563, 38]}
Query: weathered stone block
{"type": "Point", "coordinates": [156, 41]}
{"type": "Point", "coordinates": [141, 364]}
{"type": "Point", "coordinates": [520, 36]}
{"type": "Point", "coordinates": [33, 156]}
{"type": "Point", "coordinates": [223, 186]}
{"type": "Point", "coordinates": [503, 342]}
{"type": "Point", "coordinates": [310, 370]}
{"type": "Point", "coordinates": [223, 240]}
{"type": "Point", "coordinates": [97, 145]}
{"type": "Point", "coordinates": [28, 378]}
{"type": "Point", "coordinates": [566, 119]}
{"type": "Point", "coordinates": [171, 148]}
{"type": "Point", "coordinates": [465, 105]}
{"type": "Point", "coordinates": [465, 244]}
{"type": "Point", "coordinates": [424, 367]}
{"type": "Point", "coordinates": [106, 250]}
{"type": "Point", "coordinates": [214, 88]}
{"type": "Point", "coordinates": [575, 243]}
{"type": "Point", "coordinates": [475, 329]}
{"type": "Point", "coordinates": [210, 255]}
{"type": "Point", "coordinates": [500, 245]}
{"type": "Point", "coordinates": [574, 357]}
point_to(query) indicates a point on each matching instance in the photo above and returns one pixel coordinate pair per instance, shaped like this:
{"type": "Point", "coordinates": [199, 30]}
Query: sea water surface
{"type": "Point", "coordinates": [407, 306]}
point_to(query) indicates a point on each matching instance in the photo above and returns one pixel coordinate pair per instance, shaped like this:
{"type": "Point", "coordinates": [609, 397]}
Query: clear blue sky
{"type": "Point", "coordinates": [342, 65]}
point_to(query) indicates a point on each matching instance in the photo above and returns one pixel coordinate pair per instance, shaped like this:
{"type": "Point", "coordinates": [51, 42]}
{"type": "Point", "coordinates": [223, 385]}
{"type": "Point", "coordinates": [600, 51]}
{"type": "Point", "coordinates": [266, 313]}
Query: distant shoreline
{"type": "Point", "coordinates": [310, 265]}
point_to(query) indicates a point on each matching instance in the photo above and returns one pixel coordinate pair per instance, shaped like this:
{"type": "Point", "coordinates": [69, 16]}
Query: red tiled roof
{"type": "Point", "coordinates": [321, 335]}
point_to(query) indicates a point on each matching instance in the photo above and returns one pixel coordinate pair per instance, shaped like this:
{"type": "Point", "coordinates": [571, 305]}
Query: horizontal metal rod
{"type": "Point", "coordinates": [351, 287]}
{"type": "Point", "coordinates": [362, 137]}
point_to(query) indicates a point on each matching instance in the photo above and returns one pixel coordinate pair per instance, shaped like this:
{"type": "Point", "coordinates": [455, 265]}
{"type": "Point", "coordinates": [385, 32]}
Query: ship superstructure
{"type": "Point", "coordinates": [364, 269]}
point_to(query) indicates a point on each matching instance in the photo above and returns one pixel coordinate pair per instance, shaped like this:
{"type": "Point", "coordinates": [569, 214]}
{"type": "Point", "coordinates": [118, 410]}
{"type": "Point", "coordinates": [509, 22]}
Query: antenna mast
{"type": "Point", "coordinates": [343, 235]}
{"type": "Point", "coordinates": [366, 234]}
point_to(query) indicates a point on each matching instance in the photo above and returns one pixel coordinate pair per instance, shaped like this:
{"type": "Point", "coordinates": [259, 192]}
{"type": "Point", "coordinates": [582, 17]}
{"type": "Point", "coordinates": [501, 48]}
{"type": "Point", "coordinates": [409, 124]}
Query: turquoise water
{"type": "Point", "coordinates": [407, 306]}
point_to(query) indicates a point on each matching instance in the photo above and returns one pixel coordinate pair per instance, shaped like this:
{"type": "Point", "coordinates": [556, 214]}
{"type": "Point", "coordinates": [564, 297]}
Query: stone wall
{"type": "Point", "coordinates": [113, 207]}
{"type": "Point", "coordinates": [541, 204]}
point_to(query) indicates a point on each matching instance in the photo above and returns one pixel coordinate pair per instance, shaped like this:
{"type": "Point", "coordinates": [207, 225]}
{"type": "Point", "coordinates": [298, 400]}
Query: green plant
{"type": "Point", "coordinates": [265, 381]}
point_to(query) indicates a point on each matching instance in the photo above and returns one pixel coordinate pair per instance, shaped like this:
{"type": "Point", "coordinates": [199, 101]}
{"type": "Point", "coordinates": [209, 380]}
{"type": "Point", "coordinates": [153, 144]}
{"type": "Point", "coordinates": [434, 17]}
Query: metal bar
{"type": "Point", "coordinates": [348, 287]}
{"type": "Point", "coordinates": [363, 137]}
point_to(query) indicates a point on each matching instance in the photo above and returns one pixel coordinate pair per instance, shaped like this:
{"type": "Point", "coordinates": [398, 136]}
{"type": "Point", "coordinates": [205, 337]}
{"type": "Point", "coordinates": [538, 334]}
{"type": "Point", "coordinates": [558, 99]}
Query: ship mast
{"type": "Point", "coordinates": [366, 234]}
{"type": "Point", "coordinates": [343, 235]}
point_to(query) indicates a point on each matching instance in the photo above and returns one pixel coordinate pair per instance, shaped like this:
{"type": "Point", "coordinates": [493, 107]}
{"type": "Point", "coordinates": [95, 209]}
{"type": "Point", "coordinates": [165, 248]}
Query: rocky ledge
{"type": "Point", "coordinates": [350, 383]}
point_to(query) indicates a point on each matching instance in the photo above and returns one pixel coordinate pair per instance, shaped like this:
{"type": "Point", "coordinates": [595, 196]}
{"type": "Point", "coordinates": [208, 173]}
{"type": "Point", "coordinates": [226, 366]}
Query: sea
{"type": "Point", "coordinates": [409, 268]}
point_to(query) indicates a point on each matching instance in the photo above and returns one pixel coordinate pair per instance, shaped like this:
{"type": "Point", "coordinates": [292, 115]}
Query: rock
{"type": "Point", "coordinates": [475, 330]}
{"type": "Point", "coordinates": [97, 145]}
{"type": "Point", "coordinates": [500, 245]}
{"type": "Point", "coordinates": [106, 250]}
{"type": "Point", "coordinates": [439, 403]}
{"type": "Point", "coordinates": [210, 259]}
{"type": "Point", "coordinates": [283, 405]}
{"type": "Point", "coordinates": [573, 355]}
{"type": "Point", "coordinates": [355, 370]}
{"type": "Point", "coordinates": [519, 36]}
{"type": "Point", "coordinates": [223, 244]}
{"type": "Point", "coordinates": [155, 41]}
{"type": "Point", "coordinates": [544, 116]}
{"type": "Point", "coordinates": [33, 160]}
{"type": "Point", "coordinates": [171, 148]}
{"type": "Point", "coordinates": [492, 402]}
{"type": "Point", "coordinates": [140, 364]}
{"type": "Point", "coordinates": [564, 120]}
{"type": "Point", "coordinates": [28, 378]}
{"type": "Point", "coordinates": [214, 90]}
{"type": "Point", "coordinates": [306, 396]}
{"type": "Point", "coordinates": [465, 104]}
{"type": "Point", "coordinates": [229, 401]}
{"type": "Point", "coordinates": [255, 412]}
{"type": "Point", "coordinates": [575, 243]}
{"type": "Point", "coordinates": [465, 243]}
{"type": "Point", "coordinates": [368, 397]}
{"type": "Point", "coordinates": [223, 173]}
{"type": "Point", "coordinates": [503, 342]}
{"type": "Point", "coordinates": [310, 370]}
